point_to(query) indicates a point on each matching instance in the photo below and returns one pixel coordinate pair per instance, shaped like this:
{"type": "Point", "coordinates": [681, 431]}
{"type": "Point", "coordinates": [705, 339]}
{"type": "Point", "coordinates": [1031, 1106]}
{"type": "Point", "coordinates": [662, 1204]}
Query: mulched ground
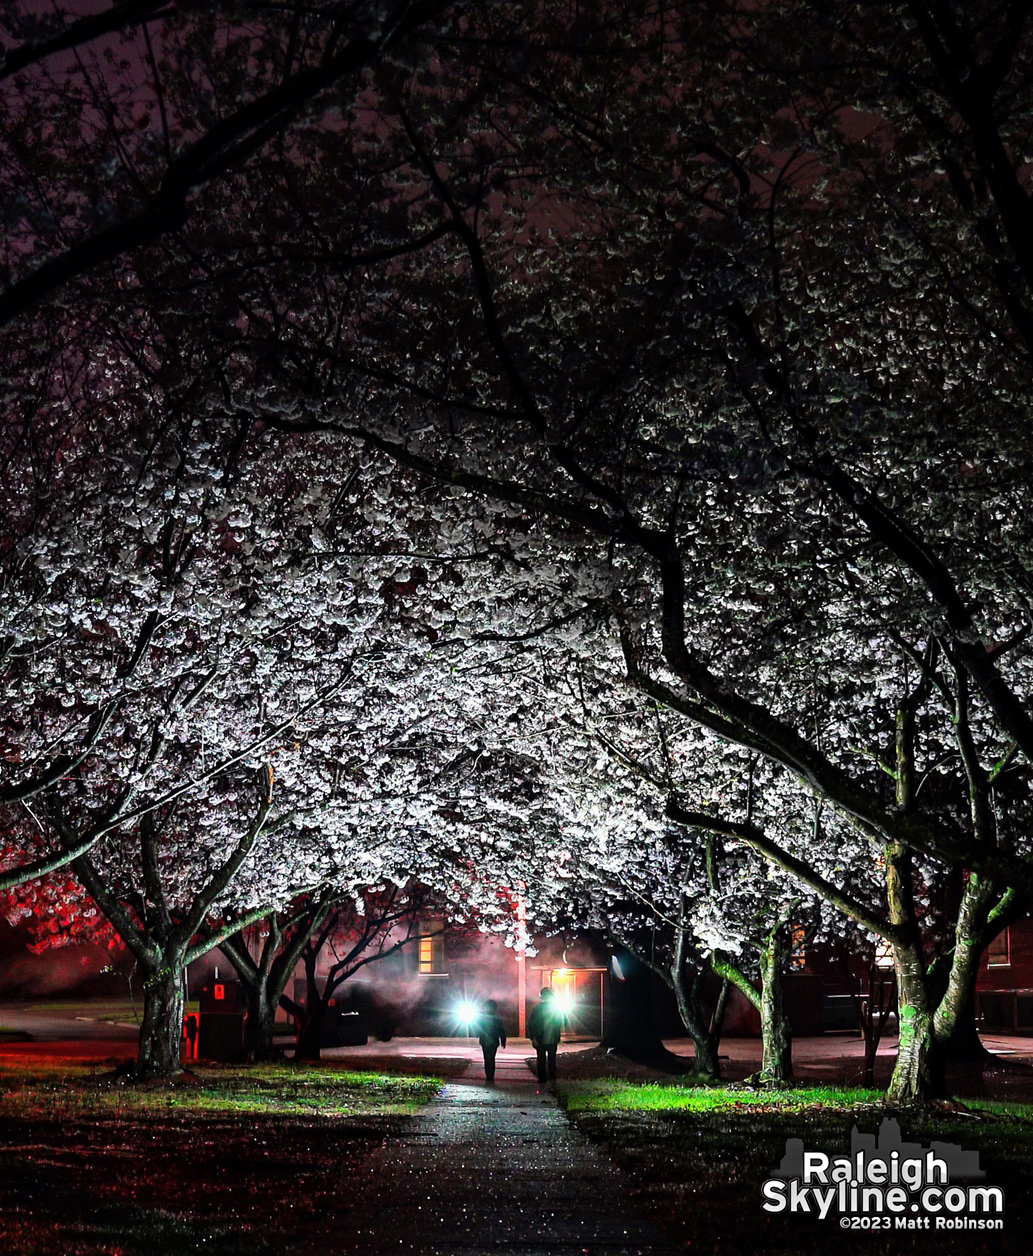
{"type": "Point", "coordinates": [699, 1176]}
{"type": "Point", "coordinates": [168, 1186]}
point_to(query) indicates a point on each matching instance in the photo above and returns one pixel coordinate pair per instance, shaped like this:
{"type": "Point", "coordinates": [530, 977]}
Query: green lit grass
{"type": "Point", "coordinates": [1021, 1112]}
{"type": "Point", "coordinates": [621, 1096]}
{"type": "Point", "coordinates": [74, 1092]}
{"type": "Point", "coordinates": [307, 1092]}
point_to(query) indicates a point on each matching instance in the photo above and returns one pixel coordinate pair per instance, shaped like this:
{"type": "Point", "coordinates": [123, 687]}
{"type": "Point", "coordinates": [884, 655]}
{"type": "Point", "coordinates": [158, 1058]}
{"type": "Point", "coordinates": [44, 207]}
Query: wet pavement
{"type": "Point", "coordinates": [496, 1169]}
{"type": "Point", "coordinates": [63, 1028]}
{"type": "Point", "coordinates": [808, 1053]}
{"type": "Point", "coordinates": [62, 1033]}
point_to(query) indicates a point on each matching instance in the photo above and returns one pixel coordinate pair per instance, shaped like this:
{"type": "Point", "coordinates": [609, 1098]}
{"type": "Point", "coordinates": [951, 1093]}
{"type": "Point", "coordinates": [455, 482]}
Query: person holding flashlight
{"type": "Point", "coordinates": [491, 1034]}
{"type": "Point", "coordinates": [544, 1029]}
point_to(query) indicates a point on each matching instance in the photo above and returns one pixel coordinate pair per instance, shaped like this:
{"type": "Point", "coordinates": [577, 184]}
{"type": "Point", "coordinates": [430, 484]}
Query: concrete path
{"type": "Point", "coordinates": [495, 1170]}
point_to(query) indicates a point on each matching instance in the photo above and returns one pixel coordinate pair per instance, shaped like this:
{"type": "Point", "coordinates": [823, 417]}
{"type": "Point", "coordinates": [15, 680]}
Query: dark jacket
{"type": "Point", "coordinates": [491, 1032]}
{"type": "Point", "coordinates": [545, 1025]}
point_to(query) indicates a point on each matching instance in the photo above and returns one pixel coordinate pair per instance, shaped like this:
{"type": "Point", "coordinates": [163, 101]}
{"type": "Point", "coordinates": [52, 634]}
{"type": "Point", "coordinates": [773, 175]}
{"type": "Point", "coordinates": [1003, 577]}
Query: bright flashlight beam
{"type": "Point", "coordinates": [466, 1012]}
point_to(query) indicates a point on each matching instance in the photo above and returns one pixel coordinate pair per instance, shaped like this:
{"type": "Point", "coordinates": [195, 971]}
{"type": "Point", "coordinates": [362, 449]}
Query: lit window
{"type": "Point", "coordinates": [798, 951]}
{"type": "Point", "coordinates": [883, 955]}
{"type": "Point", "coordinates": [431, 947]}
{"type": "Point", "coordinates": [998, 953]}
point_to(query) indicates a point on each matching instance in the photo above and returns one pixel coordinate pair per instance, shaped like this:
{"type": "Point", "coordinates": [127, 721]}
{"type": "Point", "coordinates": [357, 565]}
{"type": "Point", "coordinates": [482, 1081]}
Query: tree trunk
{"type": "Point", "coordinates": [705, 1041]}
{"type": "Point", "coordinates": [688, 994]}
{"type": "Point", "coordinates": [265, 977]}
{"type": "Point", "coordinates": [717, 1020]}
{"type": "Point", "coordinates": [310, 1032]}
{"type": "Point", "coordinates": [310, 1023]}
{"type": "Point", "coordinates": [776, 1067]}
{"type": "Point", "coordinates": [161, 1033]}
{"type": "Point", "coordinates": [261, 1023]}
{"type": "Point", "coordinates": [954, 1024]}
{"type": "Point", "coordinates": [918, 1074]}
{"type": "Point", "coordinates": [965, 1044]}
{"type": "Point", "coordinates": [937, 1016]}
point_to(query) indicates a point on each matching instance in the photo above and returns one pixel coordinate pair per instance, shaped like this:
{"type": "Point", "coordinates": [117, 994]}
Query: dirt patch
{"type": "Point", "coordinates": [999, 1078]}
{"type": "Point", "coordinates": [597, 1062]}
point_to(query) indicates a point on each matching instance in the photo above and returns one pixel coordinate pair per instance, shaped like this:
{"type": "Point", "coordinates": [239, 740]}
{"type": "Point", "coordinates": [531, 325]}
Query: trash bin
{"type": "Point", "coordinates": [838, 1012]}
{"type": "Point", "coordinates": [343, 1029]}
{"type": "Point", "coordinates": [343, 1024]}
{"type": "Point", "coordinates": [222, 1012]}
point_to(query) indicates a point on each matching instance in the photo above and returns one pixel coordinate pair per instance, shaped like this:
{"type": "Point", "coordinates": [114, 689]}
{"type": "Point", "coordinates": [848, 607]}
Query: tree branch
{"type": "Point", "coordinates": [752, 836]}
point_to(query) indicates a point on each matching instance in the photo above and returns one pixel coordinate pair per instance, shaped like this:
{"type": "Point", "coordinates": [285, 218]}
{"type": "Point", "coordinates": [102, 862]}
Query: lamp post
{"type": "Point", "coordinates": [521, 959]}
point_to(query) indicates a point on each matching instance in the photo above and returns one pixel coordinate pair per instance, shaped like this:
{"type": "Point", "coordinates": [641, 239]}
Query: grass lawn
{"type": "Point", "coordinates": [122, 1009]}
{"type": "Point", "coordinates": [697, 1156]}
{"type": "Point", "coordinates": [239, 1162]}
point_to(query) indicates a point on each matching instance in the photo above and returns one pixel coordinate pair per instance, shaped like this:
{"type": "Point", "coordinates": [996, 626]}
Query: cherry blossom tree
{"type": "Point", "coordinates": [945, 917]}
{"type": "Point", "coordinates": [161, 934]}
{"type": "Point", "coordinates": [605, 854]}
{"type": "Point", "coordinates": [158, 107]}
{"type": "Point", "coordinates": [767, 409]}
{"type": "Point", "coordinates": [194, 630]}
{"type": "Point", "coordinates": [733, 327]}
